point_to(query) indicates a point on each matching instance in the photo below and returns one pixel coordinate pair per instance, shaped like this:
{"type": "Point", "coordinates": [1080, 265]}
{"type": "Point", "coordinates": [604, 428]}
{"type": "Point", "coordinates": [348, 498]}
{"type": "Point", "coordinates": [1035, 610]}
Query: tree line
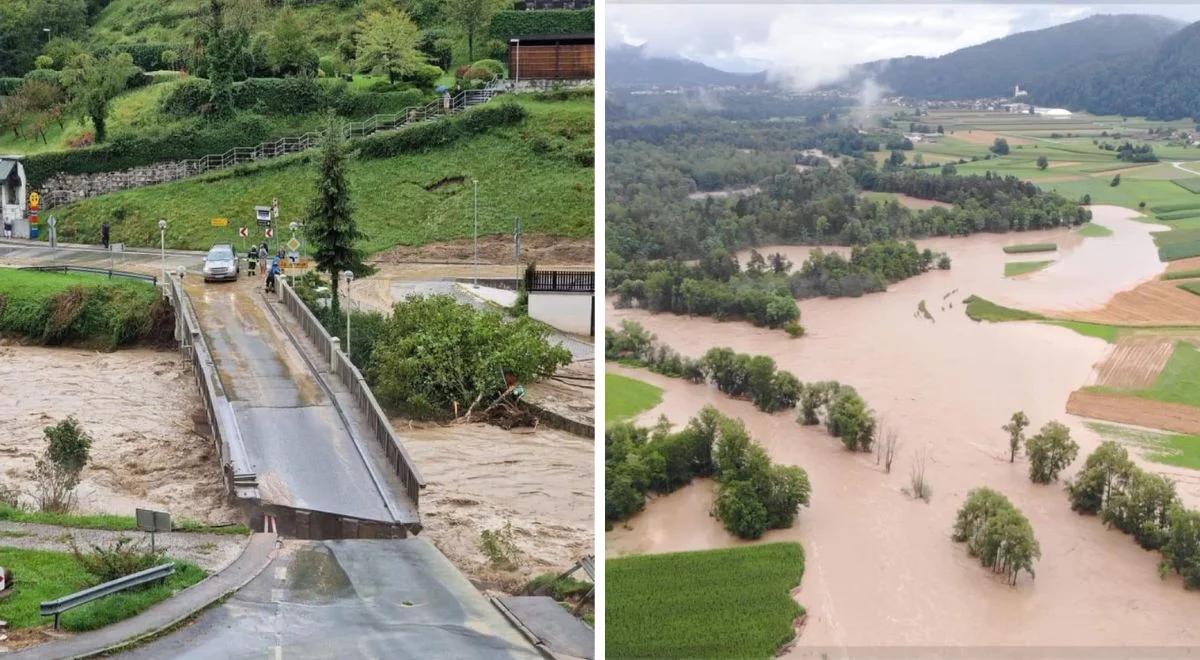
{"type": "Point", "coordinates": [1142, 505]}
{"type": "Point", "coordinates": [754, 494]}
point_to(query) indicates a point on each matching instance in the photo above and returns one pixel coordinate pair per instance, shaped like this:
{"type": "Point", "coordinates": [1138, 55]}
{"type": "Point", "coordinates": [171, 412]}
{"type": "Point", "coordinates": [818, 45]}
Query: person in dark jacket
{"type": "Point", "coordinates": [104, 235]}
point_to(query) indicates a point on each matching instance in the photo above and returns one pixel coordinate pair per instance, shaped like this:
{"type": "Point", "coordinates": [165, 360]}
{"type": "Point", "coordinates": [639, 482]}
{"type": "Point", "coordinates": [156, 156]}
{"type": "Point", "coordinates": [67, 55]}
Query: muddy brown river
{"type": "Point", "coordinates": [137, 405]}
{"type": "Point", "coordinates": [881, 568]}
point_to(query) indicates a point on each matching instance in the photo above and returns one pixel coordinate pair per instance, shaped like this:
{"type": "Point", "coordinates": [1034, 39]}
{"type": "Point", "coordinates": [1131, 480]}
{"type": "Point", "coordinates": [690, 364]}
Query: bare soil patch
{"type": "Point", "coordinates": [495, 250]}
{"type": "Point", "coordinates": [1063, 163]}
{"type": "Point", "coordinates": [976, 136]}
{"type": "Point", "coordinates": [911, 202]}
{"type": "Point", "coordinates": [1135, 362]}
{"type": "Point", "coordinates": [1127, 409]}
{"type": "Point", "coordinates": [1155, 302]}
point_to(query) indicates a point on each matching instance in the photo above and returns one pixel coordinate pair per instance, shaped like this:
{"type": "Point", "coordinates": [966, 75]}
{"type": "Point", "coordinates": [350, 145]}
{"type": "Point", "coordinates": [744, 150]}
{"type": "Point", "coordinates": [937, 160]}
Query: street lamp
{"type": "Point", "coordinates": [475, 183]}
{"type": "Point", "coordinates": [349, 275]}
{"type": "Point", "coordinates": [162, 245]}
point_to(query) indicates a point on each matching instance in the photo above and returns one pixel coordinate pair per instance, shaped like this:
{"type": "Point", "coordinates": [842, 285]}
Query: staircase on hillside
{"type": "Point", "coordinates": [66, 188]}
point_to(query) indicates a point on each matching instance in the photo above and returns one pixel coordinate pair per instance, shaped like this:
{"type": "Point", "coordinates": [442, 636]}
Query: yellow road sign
{"type": "Point", "coordinates": [220, 222]}
{"type": "Point", "coordinates": [293, 244]}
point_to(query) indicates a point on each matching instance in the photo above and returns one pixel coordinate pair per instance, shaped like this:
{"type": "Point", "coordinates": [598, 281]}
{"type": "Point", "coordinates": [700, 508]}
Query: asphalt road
{"type": "Point", "coordinates": [298, 445]}
{"type": "Point", "coordinates": [350, 599]}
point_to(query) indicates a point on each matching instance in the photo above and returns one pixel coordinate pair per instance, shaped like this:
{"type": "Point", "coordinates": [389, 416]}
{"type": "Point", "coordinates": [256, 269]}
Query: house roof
{"type": "Point", "coordinates": [7, 168]}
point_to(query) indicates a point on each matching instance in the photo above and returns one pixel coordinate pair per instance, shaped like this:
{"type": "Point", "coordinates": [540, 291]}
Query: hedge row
{"type": "Point", "coordinates": [508, 24]}
{"type": "Point", "coordinates": [431, 134]}
{"type": "Point", "coordinates": [9, 85]}
{"type": "Point", "coordinates": [147, 56]}
{"type": "Point", "coordinates": [132, 151]}
{"type": "Point", "coordinates": [290, 96]}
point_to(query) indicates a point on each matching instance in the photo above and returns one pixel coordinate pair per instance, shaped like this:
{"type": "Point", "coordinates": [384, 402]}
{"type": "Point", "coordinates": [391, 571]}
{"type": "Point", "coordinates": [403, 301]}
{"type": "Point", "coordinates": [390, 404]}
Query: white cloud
{"type": "Point", "coordinates": [805, 45]}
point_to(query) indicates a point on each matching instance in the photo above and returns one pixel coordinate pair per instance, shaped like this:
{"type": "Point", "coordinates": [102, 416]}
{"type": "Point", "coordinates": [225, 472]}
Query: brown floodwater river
{"type": "Point", "coordinates": [881, 568]}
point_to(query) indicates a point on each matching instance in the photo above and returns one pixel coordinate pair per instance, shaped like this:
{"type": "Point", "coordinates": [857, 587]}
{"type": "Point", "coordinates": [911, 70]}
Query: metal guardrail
{"type": "Point", "coordinates": [153, 279]}
{"type": "Point", "coordinates": [294, 144]}
{"type": "Point", "coordinates": [560, 281]}
{"type": "Point", "coordinates": [398, 457]}
{"type": "Point", "coordinates": [58, 606]}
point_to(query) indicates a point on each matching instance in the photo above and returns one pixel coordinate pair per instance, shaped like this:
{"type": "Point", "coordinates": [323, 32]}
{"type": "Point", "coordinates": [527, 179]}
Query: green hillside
{"type": "Point", "coordinates": [539, 171]}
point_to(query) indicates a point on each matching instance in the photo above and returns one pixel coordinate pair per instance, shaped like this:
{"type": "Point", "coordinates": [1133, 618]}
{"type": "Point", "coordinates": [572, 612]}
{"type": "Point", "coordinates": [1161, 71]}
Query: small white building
{"type": "Point", "coordinates": [13, 194]}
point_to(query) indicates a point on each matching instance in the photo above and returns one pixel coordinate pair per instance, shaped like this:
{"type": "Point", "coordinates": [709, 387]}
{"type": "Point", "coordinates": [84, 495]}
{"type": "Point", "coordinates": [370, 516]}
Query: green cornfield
{"type": "Point", "coordinates": [731, 603]}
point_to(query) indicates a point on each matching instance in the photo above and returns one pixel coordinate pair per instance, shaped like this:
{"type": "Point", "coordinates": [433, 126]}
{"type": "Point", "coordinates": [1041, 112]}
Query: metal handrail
{"type": "Point", "coordinates": [399, 459]}
{"type": "Point", "coordinates": [294, 144]}
{"type": "Point", "coordinates": [95, 271]}
{"type": "Point", "coordinates": [59, 605]}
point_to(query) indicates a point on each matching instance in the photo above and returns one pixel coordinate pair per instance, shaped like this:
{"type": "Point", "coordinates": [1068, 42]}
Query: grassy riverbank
{"type": "Point", "coordinates": [87, 310]}
{"type": "Point", "coordinates": [628, 397]}
{"type": "Point", "coordinates": [42, 575]}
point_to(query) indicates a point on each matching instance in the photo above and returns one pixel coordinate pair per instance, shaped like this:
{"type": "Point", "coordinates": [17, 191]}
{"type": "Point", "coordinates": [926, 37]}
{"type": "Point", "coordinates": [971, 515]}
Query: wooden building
{"type": "Point", "coordinates": [552, 57]}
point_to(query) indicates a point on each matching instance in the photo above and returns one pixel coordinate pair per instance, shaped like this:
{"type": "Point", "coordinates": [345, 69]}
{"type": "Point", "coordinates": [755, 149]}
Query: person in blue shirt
{"type": "Point", "coordinates": [272, 273]}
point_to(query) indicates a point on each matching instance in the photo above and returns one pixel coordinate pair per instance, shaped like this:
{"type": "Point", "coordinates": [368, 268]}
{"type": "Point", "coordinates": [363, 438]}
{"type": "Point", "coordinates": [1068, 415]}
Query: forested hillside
{"type": "Point", "coordinates": [630, 65]}
{"type": "Point", "coordinates": [1159, 81]}
{"type": "Point", "coordinates": [1027, 59]}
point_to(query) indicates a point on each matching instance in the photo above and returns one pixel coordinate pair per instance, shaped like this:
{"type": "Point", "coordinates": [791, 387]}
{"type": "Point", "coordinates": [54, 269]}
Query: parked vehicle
{"type": "Point", "coordinates": [221, 263]}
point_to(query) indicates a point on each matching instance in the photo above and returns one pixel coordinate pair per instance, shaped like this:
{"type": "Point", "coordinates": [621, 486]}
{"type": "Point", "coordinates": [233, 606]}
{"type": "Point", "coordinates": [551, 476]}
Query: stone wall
{"type": "Point", "coordinates": [65, 188]}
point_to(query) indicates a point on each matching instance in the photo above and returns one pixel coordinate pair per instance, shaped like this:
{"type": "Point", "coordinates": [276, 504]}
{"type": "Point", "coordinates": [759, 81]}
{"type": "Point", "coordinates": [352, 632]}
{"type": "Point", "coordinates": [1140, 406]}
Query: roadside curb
{"type": "Point", "coordinates": [168, 614]}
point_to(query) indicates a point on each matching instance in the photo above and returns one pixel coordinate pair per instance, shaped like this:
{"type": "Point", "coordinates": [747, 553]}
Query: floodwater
{"type": "Point", "coordinates": [881, 568]}
{"type": "Point", "coordinates": [137, 406]}
{"type": "Point", "coordinates": [482, 477]}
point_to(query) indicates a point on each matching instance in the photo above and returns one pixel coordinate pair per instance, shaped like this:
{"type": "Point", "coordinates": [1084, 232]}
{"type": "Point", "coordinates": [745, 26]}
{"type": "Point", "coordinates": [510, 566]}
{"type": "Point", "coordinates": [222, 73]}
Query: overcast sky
{"type": "Point", "coordinates": [804, 45]}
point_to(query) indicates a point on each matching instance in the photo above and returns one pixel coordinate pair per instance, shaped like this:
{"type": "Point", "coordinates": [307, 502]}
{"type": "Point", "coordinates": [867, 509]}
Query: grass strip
{"type": "Point", "coordinates": [109, 522]}
{"type": "Point", "coordinates": [1014, 268]}
{"type": "Point", "coordinates": [1030, 247]}
{"type": "Point", "coordinates": [1093, 230]}
{"type": "Point", "coordinates": [628, 397]}
{"type": "Point", "coordinates": [981, 309]}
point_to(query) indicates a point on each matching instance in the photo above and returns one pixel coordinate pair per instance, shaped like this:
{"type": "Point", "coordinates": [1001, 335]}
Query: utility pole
{"type": "Point", "coordinates": [475, 183]}
{"type": "Point", "coordinates": [517, 239]}
{"type": "Point", "coordinates": [162, 246]}
{"type": "Point", "coordinates": [349, 274]}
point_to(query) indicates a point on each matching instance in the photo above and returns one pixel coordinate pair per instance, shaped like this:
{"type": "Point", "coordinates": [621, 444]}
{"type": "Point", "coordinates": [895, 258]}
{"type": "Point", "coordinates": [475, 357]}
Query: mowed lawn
{"type": "Point", "coordinates": [41, 575]}
{"type": "Point", "coordinates": [628, 397]}
{"type": "Point", "coordinates": [731, 603]}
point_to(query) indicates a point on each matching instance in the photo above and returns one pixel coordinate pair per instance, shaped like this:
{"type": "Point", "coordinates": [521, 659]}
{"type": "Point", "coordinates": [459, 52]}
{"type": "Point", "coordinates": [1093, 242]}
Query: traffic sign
{"type": "Point", "coordinates": [263, 215]}
{"type": "Point", "coordinates": [293, 245]}
{"type": "Point", "coordinates": [243, 232]}
{"type": "Point", "coordinates": [220, 222]}
{"type": "Point", "coordinates": [270, 232]}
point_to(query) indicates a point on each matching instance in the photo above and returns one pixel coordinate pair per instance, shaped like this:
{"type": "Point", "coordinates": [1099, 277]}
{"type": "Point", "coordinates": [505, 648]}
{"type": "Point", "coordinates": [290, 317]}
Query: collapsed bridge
{"type": "Point", "coordinates": [305, 448]}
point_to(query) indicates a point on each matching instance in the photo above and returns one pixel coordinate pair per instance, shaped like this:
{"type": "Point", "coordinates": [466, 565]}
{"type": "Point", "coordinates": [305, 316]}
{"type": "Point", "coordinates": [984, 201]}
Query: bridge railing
{"type": "Point", "coordinates": [95, 271]}
{"type": "Point", "coordinates": [381, 428]}
{"type": "Point", "coordinates": [235, 462]}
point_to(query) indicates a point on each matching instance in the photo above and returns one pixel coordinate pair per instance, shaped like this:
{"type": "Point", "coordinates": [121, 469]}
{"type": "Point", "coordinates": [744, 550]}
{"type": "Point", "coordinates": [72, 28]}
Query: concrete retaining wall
{"type": "Point", "coordinates": [569, 312]}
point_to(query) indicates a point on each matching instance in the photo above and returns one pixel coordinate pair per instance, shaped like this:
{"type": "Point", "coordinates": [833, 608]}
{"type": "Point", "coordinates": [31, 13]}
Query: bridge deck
{"type": "Point", "coordinates": [301, 449]}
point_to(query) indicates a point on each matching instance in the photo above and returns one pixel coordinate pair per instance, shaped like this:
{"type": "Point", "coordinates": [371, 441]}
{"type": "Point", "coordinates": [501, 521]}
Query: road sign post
{"type": "Point", "coordinates": [153, 522]}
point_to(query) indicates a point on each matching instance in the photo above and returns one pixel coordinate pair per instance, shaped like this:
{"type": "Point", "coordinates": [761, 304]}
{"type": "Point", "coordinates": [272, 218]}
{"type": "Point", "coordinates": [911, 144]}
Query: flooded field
{"type": "Point", "coordinates": [881, 568]}
{"type": "Point", "coordinates": [482, 477]}
{"type": "Point", "coordinates": [137, 404]}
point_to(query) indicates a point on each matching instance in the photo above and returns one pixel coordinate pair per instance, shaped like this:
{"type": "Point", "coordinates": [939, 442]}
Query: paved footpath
{"type": "Point", "coordinates": [258, 553]}
{"type": "Point", "coordinates": [212, 552]}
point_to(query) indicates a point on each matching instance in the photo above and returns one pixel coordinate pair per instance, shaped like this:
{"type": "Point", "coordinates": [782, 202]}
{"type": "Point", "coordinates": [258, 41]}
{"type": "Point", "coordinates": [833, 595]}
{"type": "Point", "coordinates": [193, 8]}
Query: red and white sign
{"type": "Point", "coordinates": [270, 232]}
{"type": "Point", "coordinates": [243, 232]}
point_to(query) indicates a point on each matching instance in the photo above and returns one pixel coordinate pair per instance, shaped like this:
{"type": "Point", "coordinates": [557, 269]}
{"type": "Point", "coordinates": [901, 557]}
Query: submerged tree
{"type": "Point", "coordinates": [1016, 434]}
{"type": "Point", "coordinates": [331, 225]}
{"type": "Point", "coordinates": [1051, 450]}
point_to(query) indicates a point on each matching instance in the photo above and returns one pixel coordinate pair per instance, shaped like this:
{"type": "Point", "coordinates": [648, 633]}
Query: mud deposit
{"type": "Point", "coordinates": [481, 477]}
{"type": "Point", "coordinates": [137, 405]}
{"type": "Point", "coordinates": [496, 250]}
{"type": "Point", "coordinates": [881, 568]}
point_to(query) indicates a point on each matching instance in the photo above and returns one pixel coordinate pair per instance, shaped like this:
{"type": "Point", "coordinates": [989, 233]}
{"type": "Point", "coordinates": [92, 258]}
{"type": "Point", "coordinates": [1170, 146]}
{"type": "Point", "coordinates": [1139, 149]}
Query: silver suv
{"type": "Point", "coordinates": [221, 263]}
